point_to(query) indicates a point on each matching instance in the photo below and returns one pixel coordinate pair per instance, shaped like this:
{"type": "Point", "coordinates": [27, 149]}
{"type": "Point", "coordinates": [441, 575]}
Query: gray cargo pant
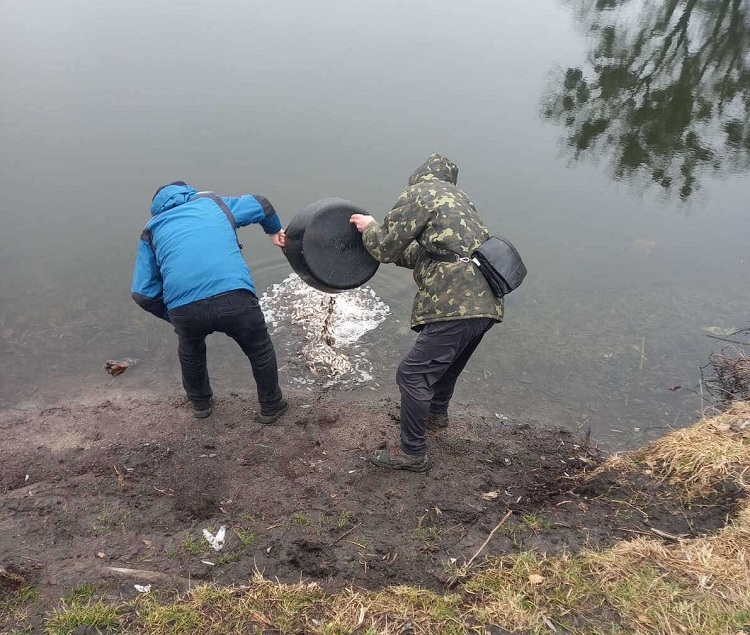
{"type": "Point", "coordinates": [427, 375]}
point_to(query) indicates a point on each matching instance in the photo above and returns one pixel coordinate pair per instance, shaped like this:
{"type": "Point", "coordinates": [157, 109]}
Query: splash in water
{"type": "Point", "coordinates": [329, 326]}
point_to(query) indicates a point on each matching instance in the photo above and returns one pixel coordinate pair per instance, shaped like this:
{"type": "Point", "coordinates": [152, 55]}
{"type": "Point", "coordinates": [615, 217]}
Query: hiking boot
{"type": "Point", "coordinates": [203, 410]}
{"type": "Point", "coordinates": [399, 460]}
{"type": "Point", "coordinates": [437, 420]}
{"type": "Point", "coordinates": [267, 417]}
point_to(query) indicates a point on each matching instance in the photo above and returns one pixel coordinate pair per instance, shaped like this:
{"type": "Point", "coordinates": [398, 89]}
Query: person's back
{"type": "Point", "coordinates": [452, 224]}
{"type": "Point", "coordinates": [431, 225]}
{"type": "Point", "coordinates": [189, 271]}
{"type": "Point", "coordinates": [198, 254]}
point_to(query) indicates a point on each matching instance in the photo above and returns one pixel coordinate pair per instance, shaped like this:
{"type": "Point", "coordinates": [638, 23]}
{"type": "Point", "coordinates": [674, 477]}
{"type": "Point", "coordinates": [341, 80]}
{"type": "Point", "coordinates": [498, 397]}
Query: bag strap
{"type": "Point", "coordinates": [446, 257]}
{"type": "Point", "coordinates": [442, 258]}
{"type": "Point", "coordinates": [227, 212]}
{"type": "Point", "coordinates": [148, 238]}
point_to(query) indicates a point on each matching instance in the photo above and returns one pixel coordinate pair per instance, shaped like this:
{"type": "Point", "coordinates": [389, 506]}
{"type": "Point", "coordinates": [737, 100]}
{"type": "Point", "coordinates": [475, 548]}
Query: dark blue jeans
{"type": "Point", "coordinates": [427, 375]}
{"type": "Point", "coordinates": [236, 313]}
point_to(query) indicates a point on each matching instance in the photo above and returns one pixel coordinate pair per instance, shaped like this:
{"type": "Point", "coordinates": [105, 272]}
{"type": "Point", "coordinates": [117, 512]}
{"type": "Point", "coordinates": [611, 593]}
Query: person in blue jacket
{"type": "Point", "coordinates": [189, 271]}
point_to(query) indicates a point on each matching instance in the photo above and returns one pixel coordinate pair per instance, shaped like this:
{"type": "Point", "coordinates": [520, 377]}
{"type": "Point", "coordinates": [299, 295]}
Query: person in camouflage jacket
{"type": "Point", "coordinates": [433, 228]}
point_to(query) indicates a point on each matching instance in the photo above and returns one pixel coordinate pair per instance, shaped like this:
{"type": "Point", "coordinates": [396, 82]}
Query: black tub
{"type": "Point", "coordinates": [326, 250]}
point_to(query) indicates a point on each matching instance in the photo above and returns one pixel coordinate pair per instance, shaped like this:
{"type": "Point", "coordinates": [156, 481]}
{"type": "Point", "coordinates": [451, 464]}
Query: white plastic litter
{"type": "Point", "coordinates": [217, 541]}
{"type": "Point", "coordinates": [142, 588]}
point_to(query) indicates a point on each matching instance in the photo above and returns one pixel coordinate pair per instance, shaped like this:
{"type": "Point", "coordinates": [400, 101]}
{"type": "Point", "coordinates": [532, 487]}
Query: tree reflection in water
{"type": "Point", "coordinates": [665, 94]}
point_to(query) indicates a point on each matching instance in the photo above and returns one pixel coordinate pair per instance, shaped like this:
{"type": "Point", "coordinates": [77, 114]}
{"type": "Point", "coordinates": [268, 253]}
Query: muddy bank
{"type": "Point", "coordinates": [114, 492]}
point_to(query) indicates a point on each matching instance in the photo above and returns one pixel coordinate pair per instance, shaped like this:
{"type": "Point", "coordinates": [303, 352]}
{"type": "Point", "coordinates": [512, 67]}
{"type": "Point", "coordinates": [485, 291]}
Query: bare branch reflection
{"type": "Point", "coordinates": [665, 93]}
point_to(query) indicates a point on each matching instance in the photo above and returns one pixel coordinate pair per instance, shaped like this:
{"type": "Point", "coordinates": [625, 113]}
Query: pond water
{"type": "Point", "coordinates": [607, 138]}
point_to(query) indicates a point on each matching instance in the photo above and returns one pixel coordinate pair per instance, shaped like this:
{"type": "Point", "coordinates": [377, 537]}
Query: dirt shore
{"type": "Point", "coordinates": [116, 492]}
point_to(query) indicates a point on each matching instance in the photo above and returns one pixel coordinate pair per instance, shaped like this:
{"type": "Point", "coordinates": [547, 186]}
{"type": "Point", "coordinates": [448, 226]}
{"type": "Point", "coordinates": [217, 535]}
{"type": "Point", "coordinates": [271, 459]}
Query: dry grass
{"type": "Point", "coordinates": [642, 587]}
{"type": "Point", "coordinates": [696, 458]}
{"type": "Point", "coordinates": [639, 586]}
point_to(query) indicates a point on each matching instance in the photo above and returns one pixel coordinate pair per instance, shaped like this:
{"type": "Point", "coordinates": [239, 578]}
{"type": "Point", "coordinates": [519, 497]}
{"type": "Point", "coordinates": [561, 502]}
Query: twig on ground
{"type": "Point", "coordinates": [465, 569]}
{"type": "Point", "coordinates": [345, 534]}
{"type": "Point", "coordinates": [634, 531]}
{"type": "Point", "coordinates": [667, 536]}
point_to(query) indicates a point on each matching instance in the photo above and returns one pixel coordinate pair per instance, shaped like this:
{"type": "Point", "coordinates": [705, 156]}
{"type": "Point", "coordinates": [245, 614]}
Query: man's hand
{"type": "Point", "coordinates": [360, 221]}
{"type": "Point", "coordinates": [278, 239]}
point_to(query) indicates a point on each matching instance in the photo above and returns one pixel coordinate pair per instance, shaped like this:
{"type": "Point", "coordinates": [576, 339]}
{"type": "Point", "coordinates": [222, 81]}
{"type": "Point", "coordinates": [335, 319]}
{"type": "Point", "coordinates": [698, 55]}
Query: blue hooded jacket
{"type": "Point", "coordinates": [193, 252]}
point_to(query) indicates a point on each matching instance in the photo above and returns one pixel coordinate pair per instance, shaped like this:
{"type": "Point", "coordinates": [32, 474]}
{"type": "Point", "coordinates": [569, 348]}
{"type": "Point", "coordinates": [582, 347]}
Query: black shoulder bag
{"type": "Point", "coordinates": [500, 264]}
{"type": "Point", "coordinates": [497, 260]}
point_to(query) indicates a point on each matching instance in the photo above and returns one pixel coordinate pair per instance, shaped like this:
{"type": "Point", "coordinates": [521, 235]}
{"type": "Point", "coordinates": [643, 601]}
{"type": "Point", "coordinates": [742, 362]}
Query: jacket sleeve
{"type": "Point", "coordinates": [253, 208]}
{"type": "Point", "coordinates": [393, 240]}
{"type": "Point", "coordinates": [147, 288]}
{"type": "Point", "coordinates": [408, 257]}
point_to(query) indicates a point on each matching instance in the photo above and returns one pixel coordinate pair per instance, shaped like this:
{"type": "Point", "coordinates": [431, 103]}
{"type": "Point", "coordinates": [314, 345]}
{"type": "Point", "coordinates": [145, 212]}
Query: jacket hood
{"type": "Point", "coordinates": [436, 168]}
{"type": "Point", "coordinates": [171, 195]}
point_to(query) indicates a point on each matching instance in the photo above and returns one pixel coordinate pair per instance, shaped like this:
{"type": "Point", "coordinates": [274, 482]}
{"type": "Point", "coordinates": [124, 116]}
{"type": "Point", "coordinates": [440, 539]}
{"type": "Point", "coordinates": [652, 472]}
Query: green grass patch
{"type": "Point", "coordinates": [194, 545]}
{"type": "Point", "coordinates": [82, 593]}
{"type": "Point", "coordinates": [535, 522]}
{"type": "Point", "coordinates": [24, 595]}
{"type": "Point", "coordinates": [13, 610]}
{"type": "Point", "coordinates": [247, 538]}
{"type": "Point", "coordinates": [300, 518]}
{"type": "Point", "coordinates": [428, 538]}
{"type": "Point", "coordinates": [344, 519]}
{"type": "Point", "coordinates": [112, 519]}
{"type": "Point", "coordinates": [81, 613]}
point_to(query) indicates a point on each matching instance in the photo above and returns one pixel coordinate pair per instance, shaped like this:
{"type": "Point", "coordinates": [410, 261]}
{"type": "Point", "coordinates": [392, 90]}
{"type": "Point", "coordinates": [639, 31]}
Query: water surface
{"type": "Point", "coordinates": [608, 139]}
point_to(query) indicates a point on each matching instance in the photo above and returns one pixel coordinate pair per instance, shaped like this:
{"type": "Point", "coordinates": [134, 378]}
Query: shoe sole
{"type": "Point", "coordinates": [267, 420]}
{"type": "Point", "coordinates": [203, 414]}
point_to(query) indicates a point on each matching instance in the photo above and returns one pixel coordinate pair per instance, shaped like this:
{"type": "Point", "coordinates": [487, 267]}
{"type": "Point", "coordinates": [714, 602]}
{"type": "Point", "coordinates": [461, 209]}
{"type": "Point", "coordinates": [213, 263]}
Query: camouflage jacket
{"type": "Point", "coordinates": [433, 215]}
